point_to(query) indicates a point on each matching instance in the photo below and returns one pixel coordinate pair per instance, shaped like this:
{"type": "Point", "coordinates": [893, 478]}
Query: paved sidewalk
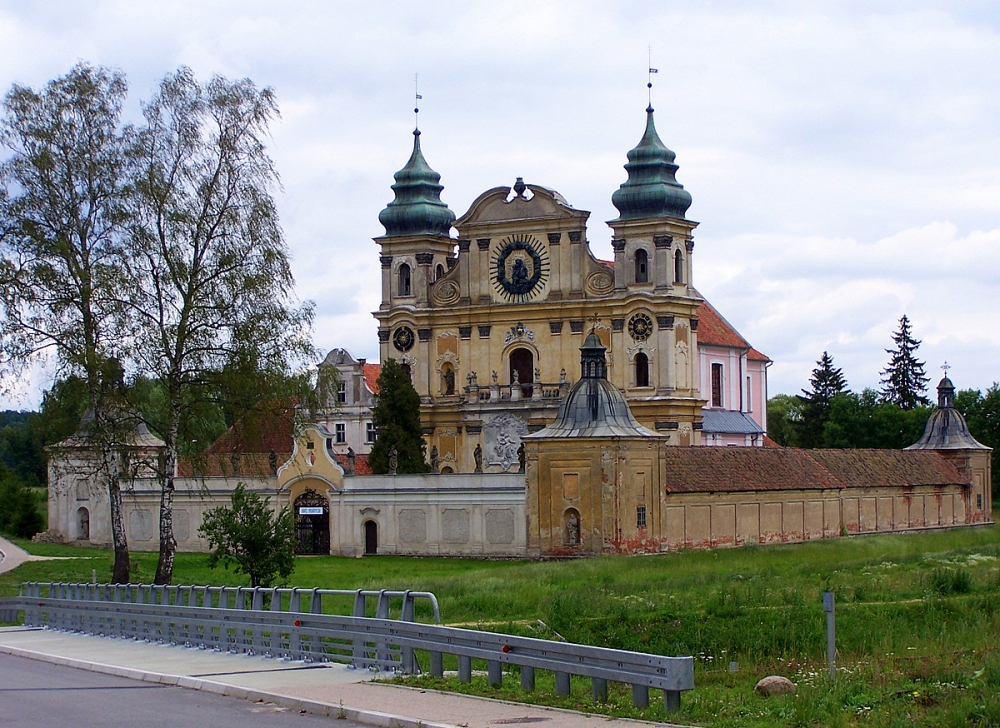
{"type": "Point", "coordinates": [326, 689]}
{"type": "Point", "coordinates": [12, 556]}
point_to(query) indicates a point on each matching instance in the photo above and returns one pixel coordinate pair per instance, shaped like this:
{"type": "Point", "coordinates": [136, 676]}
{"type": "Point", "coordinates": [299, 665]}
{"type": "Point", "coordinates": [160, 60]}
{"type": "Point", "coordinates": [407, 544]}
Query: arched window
{"type": "Point", "coordinates": [716, 385]}
{"type": "Point", "coordinates": [83, 524]}
{"type": "Point", "coordinates": [641, 370]}
{"type": "Point", "coordinates": [678, 267]}
{"type": "Point", "coordinates": [447, 380]}
{"type": "Point", "coordinates": [440, 272]}
{"type": "Point", "coordinates": [406, 368]}
{"type": "Point", "coordinates": [522, 370]}
{"type": "Point", "coordinates": [641, 266]}
{"type": "Point", "coordinates": [404, 280]}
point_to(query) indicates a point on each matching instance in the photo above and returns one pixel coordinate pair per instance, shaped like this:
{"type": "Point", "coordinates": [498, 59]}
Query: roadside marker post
{"type": "Point", "coordinates": [829, 602]}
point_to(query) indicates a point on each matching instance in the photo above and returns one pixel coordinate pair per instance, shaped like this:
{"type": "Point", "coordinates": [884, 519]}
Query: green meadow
{"type": "Point", "coordinates": [918, 620]}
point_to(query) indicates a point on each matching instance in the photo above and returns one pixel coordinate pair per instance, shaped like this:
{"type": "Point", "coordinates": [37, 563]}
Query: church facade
{"type": "Point", "coordinates": [489, 324]}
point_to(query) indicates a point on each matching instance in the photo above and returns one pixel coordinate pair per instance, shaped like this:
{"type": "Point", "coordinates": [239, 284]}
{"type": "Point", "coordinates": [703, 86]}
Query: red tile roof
{"type": "Point", "coordinates": [371, 376]}
{"type": "Point", "coordinates": [727, 469]}
{"type": "Point", "coordinates": [361, 466]}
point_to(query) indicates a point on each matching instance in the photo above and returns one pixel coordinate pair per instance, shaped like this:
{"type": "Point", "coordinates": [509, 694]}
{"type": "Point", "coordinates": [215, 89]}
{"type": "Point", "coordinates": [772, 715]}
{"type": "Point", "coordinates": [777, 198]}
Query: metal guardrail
{"type": "Point", "coordinates": [302, 633]}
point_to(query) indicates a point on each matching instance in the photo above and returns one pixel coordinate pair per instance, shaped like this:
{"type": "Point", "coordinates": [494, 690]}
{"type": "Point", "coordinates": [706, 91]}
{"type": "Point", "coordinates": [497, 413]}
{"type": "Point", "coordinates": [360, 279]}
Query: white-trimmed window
{"type": "Point", "coordinates": [340, 433]}
{"type": "Point", "coordinates": [717, 381]}
{"type": "Point", "coordinates": [370, 432]}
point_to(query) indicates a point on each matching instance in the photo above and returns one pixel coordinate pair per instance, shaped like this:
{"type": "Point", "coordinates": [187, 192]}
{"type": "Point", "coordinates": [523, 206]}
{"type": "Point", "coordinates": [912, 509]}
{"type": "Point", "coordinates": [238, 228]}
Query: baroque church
{"type": "Point", "coordinates": [490, 324]}
{"type": "Point", "coordinates": [569, 405]}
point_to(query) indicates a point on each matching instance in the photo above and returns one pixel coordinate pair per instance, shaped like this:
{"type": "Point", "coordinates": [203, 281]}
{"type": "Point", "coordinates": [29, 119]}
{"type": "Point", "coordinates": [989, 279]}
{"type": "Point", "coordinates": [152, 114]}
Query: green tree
{"type": "Point", "coordinates": [784, 412]}
{"type": "Point", "coordinates": [397, 420]}
{"type": "Point", "coordinates": [250, 537]}
{"type": "Point", "coordinates": [866, 421]}
{"type": "Point", "coordinates": [211, 283]}
{"type": "Point", "coordinates": [826, 382]}
{"type": "Point", "coordinates": [60, 252]}
{"type": "Point", "coordinates": [19, 515]}
{"type": "Point", "coordinates": [903, 380]}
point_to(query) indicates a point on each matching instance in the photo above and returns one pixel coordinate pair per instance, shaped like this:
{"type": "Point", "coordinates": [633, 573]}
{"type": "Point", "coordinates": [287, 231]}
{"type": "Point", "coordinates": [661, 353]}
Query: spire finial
{"type": "Point", "coordinates": [945, 367]}
{"type": "Point", "coordinates": [649, 82]}
{"type": "Point", "coordinates": [416, 105]}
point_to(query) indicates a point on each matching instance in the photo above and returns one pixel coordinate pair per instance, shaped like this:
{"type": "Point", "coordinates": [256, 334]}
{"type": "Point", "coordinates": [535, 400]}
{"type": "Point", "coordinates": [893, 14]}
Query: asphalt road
{"type": "Point", "coordinates": [34, 693]}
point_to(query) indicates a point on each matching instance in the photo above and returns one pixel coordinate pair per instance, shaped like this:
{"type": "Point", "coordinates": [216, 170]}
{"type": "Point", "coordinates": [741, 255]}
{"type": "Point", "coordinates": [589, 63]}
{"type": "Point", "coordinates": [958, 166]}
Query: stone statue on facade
{"type": "Point", "coordinates": [434, 459]}
{"type": "Point", "coordinates": [573, 529]}
{"type": "Point", "coordinates": [515, 378]}
{"type": "Point", "coordinates": [393, 460]}
{"type": "Point", "coordinates": [520, 458]}
{"type": "Point", "coordinates": [351, 459]}
{"type": "Point", "coordinates": [478, 455]}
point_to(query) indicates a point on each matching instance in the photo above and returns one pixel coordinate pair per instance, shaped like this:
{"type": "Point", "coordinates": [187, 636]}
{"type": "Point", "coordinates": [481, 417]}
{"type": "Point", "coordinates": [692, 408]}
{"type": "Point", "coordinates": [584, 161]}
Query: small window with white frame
{"type": "Point", "coordinates": [370, 432]}
{"type": "Point", "coordinates": [340, 433]}
{"type": "Point", "coordinates": [342, 392]}
{"type": "Point", "coordinates": [640, 516]}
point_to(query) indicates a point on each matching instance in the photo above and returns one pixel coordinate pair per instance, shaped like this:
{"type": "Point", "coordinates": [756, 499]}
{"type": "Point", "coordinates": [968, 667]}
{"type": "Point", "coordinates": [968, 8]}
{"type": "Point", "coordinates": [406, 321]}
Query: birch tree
{"type": "Point", "coordinates": [211, 289]}
{"type": "Point", "coordinates": [60, 252]}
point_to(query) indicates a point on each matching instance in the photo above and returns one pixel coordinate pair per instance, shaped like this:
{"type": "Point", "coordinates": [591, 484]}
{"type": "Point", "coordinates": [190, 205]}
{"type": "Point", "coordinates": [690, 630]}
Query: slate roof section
{"type": "Point", "coordinates": [745, 469]}
{"type": "Point", "coordinates": [728, 422]}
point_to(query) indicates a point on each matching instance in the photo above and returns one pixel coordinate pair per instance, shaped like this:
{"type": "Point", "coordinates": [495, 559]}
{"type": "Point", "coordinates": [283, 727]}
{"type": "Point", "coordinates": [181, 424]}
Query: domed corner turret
{"type": "Point", "coordinates": [651, 189]}
{"type": "Point", "coordinates": [947, 429]}
{"type": "Point", "coordinates": [417, 209]}
{"type": "Point", "coordinates": [594, 407]}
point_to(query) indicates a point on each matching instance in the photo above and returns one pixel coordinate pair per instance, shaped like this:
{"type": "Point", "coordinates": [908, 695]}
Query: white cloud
{"type": "Point", "coordinates": [841, 156]}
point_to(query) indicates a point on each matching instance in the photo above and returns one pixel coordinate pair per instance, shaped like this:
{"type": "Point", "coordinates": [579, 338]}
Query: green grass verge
{"type": "Point", "coordinates": [918, 620]}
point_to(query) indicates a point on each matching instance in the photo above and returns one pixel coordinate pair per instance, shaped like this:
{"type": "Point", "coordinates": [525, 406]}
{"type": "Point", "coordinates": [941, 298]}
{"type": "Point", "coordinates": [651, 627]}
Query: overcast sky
{"type": "Point", "coordinates": [843, 157]}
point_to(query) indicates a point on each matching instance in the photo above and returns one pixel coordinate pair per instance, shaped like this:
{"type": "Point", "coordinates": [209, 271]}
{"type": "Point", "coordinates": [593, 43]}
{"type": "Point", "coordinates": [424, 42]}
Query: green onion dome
{"type": "Point", "coordinates": [651, 189]}
{"type": "Point", "coordinates": [417, 209]}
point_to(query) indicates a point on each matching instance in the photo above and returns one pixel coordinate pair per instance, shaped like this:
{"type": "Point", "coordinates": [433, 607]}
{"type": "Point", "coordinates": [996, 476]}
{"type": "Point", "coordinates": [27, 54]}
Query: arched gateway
{"type": "Point", "coordinates": [312, 523]}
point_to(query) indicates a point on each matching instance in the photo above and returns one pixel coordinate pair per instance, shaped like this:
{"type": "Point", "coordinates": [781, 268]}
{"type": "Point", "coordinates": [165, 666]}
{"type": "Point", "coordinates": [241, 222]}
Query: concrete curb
{"type": "Point", "coordinates": [369, 717]}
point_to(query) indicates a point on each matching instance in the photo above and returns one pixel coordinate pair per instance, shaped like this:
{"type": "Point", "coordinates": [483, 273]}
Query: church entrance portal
{"type": "Point", "coordinates": [371, 538]}
{"type": "Point", "coordinates": [312, 523]}
{"type": "Point", "coordinates": [522, 362]}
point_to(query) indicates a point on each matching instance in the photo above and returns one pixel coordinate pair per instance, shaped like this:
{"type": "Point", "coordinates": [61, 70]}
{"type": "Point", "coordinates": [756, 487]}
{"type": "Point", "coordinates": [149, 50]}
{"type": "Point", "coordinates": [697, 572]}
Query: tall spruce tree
{"type": "Point", "coordinates": [397, 419]}
{"type": "Point", "coordinates": [903, 380]}
{"type": "Point", "coordinates": [826, 382]}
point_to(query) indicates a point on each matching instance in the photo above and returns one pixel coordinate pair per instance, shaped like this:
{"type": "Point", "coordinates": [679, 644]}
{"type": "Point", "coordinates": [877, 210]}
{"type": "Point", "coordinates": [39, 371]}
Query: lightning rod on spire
{"type": "Point", "coordinates": [416, 99]}
{"type": "Point", "coordinates": [649, 81]}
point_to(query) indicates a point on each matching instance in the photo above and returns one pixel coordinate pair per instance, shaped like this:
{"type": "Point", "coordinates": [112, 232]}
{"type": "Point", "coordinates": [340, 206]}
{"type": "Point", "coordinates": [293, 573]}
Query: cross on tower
{"type": "Point", "coordinates": [946, 366]}
{"type": "Point", "coordinates": [595, 321]}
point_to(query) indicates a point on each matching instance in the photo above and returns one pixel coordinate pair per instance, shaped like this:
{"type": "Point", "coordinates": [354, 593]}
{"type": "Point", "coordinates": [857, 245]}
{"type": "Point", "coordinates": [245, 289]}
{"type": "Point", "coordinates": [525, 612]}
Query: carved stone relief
{"type": "Point", "coordinates": [502, 436]}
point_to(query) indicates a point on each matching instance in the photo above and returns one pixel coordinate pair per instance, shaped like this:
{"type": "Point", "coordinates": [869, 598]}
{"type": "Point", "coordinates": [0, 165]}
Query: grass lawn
{"type": "Point", "coordinates": [918, 620]}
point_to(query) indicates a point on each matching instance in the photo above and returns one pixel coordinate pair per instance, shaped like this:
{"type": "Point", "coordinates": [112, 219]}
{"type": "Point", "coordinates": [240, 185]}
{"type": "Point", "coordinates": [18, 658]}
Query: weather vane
{"type": "Point", "coordinates": [649, 82]}
{"type": "Point", "coordinates": [416, 102]}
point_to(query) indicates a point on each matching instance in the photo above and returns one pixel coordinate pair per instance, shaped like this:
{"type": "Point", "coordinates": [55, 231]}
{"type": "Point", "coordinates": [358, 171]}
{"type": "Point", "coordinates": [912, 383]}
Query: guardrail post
{"type": "Point", "coordinates": [640, 696]}
{"type": "Point", "coordinates": [527, 678]}
{"type": "Point", "coordinates": [599, 690]}
{"type": "Point", "coordinates": [382, 655]}
{"type": "Point", "coordinates": [407, 656]}
{"type": "Point", "coordinates": [562, 683]}
{"type": "Point", "coordinates": [437, 664]}
{"type": "Point", "coordinates": [494, 673]}
{"type": "Point", "coordinates": [671, 700]}
{"type": "Point", "coordinates": [464, 668]}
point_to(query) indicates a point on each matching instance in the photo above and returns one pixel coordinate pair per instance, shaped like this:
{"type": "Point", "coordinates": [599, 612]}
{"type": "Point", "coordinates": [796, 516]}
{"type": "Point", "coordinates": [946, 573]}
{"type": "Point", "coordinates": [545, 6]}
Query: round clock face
{"type": "Point", "coordinates": [402, 339]}
{"type": "Point", "coordinates": [640, 327]}
{"type": "Point", "coordinates": [520, 268]}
